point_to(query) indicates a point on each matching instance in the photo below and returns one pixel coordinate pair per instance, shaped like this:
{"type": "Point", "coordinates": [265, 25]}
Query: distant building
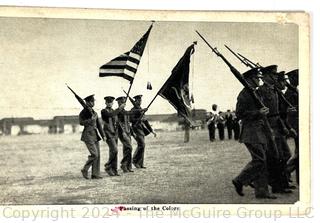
{"type": "Point", "coordinates": [70, 124]}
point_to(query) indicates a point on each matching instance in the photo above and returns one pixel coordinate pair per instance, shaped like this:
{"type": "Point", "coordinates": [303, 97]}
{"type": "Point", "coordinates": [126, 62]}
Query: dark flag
{"type": "Point", "coordinates": [176, 88]}
{"type": "Point", "coordinates": [126, 65]}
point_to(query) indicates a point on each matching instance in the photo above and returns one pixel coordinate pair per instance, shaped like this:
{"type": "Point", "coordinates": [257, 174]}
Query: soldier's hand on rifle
{"type": "Point", "coordinates": [145, 109]}
{"type": "Point", "coordinates": [291, 109]}
{"type": "Point", "coordinates": [154, 134]}
{"type": "Point", "coordinates": [285, 131]}
{"type": "Point", "coordinates": [122, 106]}
{"type": "Point", "coordinates": [293, 133]}
{"type": "Point", "coordinates": [264, 110]}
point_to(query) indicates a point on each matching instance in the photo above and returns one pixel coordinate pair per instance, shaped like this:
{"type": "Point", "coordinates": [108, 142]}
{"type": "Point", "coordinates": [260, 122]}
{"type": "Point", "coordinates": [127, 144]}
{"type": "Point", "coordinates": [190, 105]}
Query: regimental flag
{"type": "Point", "coordinates": [176, 88]}
{"type": "Point", "coordinates": [126, 65]}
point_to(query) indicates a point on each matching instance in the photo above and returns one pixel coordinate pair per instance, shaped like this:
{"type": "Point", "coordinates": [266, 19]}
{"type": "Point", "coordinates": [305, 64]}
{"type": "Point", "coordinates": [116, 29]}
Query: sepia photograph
{"type": "Point", "coordinates": [132, 107]}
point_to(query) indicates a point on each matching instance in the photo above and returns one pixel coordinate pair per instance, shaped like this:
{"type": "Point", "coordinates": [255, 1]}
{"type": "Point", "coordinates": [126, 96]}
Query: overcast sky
{"type": "Point", "coordinates": [38, 56]}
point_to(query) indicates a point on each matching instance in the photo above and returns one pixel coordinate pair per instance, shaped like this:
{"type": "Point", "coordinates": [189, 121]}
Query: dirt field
{"type": "Point", "coordinates": [45, 169]}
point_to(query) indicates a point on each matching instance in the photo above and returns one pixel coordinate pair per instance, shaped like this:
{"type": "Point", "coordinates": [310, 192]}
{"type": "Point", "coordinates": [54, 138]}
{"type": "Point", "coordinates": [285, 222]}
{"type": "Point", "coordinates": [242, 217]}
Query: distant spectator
{"type": "Point", "coordinates": [220, 125]}
{"type": "Point", "coordinates": [229, 123]}
{"type": "Point", "coordinates": [236, 127]}
{"type": "Point", "coordinates": [211, 122]}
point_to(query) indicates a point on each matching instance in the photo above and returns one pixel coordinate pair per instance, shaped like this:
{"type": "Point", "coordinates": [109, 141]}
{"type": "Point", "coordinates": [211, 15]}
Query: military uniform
{"type": "Point", "coordinates": [124, 131]}
{"type": "Point", "coordinates": [293, 119]}
{"type": "Point", "coordinates": [139, 134]}
{"type": "Point", "coordinates": [90, 136]}
{"type": "Point", "coordinates": [253, 136]}
{"type": "Point", "coordinates": [110, 128]}
{"type": "Point", "coordinates": [276, 164]}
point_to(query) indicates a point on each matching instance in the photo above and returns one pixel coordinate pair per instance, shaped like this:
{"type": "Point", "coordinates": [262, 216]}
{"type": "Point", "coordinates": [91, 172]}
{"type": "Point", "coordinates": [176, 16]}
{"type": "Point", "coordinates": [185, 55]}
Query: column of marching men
{"type": "Point", "coordinates": [118, 125]}
{"type": "Point", "coordinates": [269, 166]}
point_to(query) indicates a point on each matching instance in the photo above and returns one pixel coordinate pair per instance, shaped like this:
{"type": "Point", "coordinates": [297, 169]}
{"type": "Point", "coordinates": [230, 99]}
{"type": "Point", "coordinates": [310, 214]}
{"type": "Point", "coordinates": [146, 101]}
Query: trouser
{"type": "Point", "coordinates": [127, 150]}
{"type": "Point", "coordinates": [256, 170]}
{"type": "Point", "coordinates": [229, 128]}
{"type": "Point", "coordinates": [112, 163]}
{"type": "Point", "coordinates": [138, 156]}
{"type": "Point", "coordinates": [186, 133]}
{"type": "Point", "coordinates": [221, 131]}
{"type": "Point", "coordinates": [293, 164]}
{"type": "Point", "coordinates": [296, 140]}
{"type": "Point", "coordinates": [236, 129]}
{"type": "Point", "coordinates": [278, 178]}
{"type": "Point", "coordinates": [94, 158]}
{"type": "Point", "coordinates": [212, 131]}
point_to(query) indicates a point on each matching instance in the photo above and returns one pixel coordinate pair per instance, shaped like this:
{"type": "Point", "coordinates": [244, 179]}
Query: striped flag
{"type": "Point", "coordinates": [126, 65]}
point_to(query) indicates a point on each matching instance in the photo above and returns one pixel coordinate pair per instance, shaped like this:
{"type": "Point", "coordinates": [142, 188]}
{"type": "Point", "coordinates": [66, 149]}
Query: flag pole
{"type": "Point", "coordinates": [152, 22]}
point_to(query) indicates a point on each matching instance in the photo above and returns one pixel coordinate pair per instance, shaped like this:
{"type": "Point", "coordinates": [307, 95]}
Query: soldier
{"type": "Point", "coordinates": [211, 122]}
{"type": "Point", "coordinates": [276, 164]}
{"type": "Point", "coordinates": [124, 136]}
{"type": "Point", "coordinates": [254, 137]}
{"type": "Point", "coordinates": [90, 136]}
{"type": "Point", "coordinates": [139, 131]}
{"type": "Point", "coordinates": [292, 95]}
{"type": "Point", "coordinates": [229, 123]}
{"type": "Point", "coordinates": [110, 118]}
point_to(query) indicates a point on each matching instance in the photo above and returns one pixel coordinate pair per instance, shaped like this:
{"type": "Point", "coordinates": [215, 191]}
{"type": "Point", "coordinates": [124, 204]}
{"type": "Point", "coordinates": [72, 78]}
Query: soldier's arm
{"type": "Point", "coordinates": [136, 111]}
{"type": "Point", "coordinates": [246, 108]}
{"type": "Point", "coordinates": [86, 121]}
{"type": "Point", "coordinates": [100, 129]}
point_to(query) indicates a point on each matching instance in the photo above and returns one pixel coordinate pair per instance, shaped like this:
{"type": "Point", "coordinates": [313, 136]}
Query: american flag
{"type": "Point", "coordinates": [126, 65]}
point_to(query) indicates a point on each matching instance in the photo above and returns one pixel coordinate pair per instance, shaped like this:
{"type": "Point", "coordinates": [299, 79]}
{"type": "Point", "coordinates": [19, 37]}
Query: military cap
{"type": "Point", "coordinates": [281, 75]}
{"type": "Point", "coordinates": [294, 77]}
{"type": "Point", "coordinates": [139, 96]}
{"type": "Point", "coordinates": [89, 98]}
{"type": "Point", "coordinates": [252, 72]}
{"type": "Point", "coordinates": [109, 99]}
{"type": "Point", "coordinates": [121, 99]}
{"type": "Point", "coordinates": [269, 69]}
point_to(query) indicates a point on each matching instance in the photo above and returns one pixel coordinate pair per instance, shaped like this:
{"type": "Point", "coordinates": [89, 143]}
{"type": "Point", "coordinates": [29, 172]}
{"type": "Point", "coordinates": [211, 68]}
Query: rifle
{"type": "Point", "coordinates": [130, 98]}
{"type": "Point", "coordinates": [249, 61]}
{"type": "Point", "coordinates": [146, 127]}
{"type": "Point", "coordinates": [245, 62]}
{"type": "Point", "coordinates": [80, 100]}
{"type": "Point", "coordinates": [251, 64]}
{"type": "Point", "coordinates": [251, 91]}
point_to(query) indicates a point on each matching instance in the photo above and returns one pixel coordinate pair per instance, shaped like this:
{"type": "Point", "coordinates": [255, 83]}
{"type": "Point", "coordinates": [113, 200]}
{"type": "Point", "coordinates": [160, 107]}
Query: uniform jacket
{"type": "Point", "coordinates": [271, 100]}
{"type": "Point", "coordinates": [92, 126]}
{"type": "Point", "coordinates": [136, 120]}
{"type": "Point", "coordinates": [293, 117]}
{"type": "Point", "coordinates": [253, 128]}
{"type": "Point", "coordinates": [123, 122]}
{"type": "Point", "coordinates": [110, 119]}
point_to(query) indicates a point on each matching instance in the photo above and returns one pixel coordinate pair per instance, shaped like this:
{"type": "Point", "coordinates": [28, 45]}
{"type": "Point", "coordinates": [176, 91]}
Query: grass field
{"type": "Point", "coordinates": [45, 169]}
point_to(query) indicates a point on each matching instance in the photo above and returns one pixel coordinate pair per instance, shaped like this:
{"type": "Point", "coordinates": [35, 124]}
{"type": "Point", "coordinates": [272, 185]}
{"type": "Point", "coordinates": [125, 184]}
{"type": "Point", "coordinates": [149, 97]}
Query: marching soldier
{"type": "Point", "coordinates": [140, 130]}
{"type": "Point", "coordinates": [110, 128]}
{"type": "Point", "coordinates": [124, 136]}
{"type": "Point", "coordinates": [276, 164]}
{"type": "Point", "coordinates": [254, 137]}
{"type": "Point", "coordinates": [292, 95]}
{"type": "Point", "coordinates": [90, 136]}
